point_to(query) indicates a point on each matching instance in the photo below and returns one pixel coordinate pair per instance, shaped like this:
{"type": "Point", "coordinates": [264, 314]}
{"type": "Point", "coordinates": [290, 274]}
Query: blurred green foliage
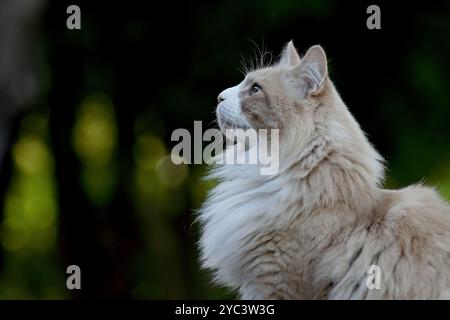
{"type": "Point", "coordinates": [29, 228]}
{"type": "Point", "coordinates": [94, 141]}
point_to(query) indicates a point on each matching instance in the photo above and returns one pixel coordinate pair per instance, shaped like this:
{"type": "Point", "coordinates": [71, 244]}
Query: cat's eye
{"type": "Point", "coordinates": [255, 89]}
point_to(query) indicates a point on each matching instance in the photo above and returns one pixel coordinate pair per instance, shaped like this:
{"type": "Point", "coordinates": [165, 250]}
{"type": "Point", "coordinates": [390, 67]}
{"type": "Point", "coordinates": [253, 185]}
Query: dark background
{"type": "Point", "coordinates": [87, 115]}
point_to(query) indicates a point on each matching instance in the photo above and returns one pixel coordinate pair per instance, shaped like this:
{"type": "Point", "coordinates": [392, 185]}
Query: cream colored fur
{"type": "Point", "coordinates": [312, 230]}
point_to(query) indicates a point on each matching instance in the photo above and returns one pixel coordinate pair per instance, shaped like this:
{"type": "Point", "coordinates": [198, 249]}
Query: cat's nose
{"type": "Point", "coordinates": [220, 98]}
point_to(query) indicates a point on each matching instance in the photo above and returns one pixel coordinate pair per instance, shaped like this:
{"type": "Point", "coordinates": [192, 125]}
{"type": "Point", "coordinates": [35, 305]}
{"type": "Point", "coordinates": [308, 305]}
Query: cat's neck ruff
{"type": "Point", "coordinates": [320, 174]}
{"type": "Point", "coordinates": [244, 202]}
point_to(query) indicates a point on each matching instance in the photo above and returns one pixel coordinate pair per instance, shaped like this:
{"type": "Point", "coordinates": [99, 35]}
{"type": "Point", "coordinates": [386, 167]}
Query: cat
{"type": "Point", "coordinates": [312, 230]}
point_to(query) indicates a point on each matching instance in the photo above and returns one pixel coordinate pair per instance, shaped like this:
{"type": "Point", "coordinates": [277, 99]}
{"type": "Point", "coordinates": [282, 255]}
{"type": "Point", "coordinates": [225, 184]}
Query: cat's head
{"type": "Point", "coordinates": [281, 96]}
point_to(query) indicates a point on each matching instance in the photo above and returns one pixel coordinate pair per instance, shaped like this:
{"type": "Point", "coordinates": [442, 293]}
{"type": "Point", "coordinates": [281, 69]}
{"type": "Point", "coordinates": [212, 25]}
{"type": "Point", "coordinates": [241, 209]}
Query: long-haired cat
{"type": "Point", "coordinates": [312, 230]}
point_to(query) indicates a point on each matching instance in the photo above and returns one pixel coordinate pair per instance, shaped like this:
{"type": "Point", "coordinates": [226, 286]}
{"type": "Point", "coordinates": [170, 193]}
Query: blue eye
{"type": "Point", "coordinates": [255, 89]}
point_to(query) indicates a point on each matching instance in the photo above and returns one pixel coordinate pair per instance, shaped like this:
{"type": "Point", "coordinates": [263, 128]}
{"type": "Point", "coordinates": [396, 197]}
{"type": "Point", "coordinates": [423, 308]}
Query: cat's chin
{"type": "Point", "coordinates": [224, 129]}
{"type": "Point", "coordinates": [227, 125]}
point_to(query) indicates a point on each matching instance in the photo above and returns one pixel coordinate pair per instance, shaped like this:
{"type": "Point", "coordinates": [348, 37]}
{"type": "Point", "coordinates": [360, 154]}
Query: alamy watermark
{"type": "Point", "coordinates": [374, 277]}
{"type": "Point", "coordinates": [73, 21]}
{"type": "Point", "coordinates": [374, 20]}
{"type": "Point", "coordinates": [242, 146]}
{"type": "Point", "coordinates": [74, 279]}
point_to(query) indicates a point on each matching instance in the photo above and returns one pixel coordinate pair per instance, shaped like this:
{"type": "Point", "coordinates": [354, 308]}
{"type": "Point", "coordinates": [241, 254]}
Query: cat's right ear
{"type": "Point", "coordinates": [312, 70]}
{"type": "Point", "coordinates": [289, 56]}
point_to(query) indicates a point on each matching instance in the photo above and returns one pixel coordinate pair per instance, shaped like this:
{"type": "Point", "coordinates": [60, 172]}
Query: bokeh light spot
{"type": "Point", "coordinates": [30, 155]}
{"type": "Point", "coordinates": [170, 174]}
{"type": "Point", "coordinates": [95, 133]}
{"type": "Point", "coordinates": [148, 150]}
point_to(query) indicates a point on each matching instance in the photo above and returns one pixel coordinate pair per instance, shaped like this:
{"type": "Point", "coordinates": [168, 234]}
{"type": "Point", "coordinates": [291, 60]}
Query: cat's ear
{"type": "Point", "coordinates": [313, 69]}
{"type": "Point", "coordinates": [289, 56]}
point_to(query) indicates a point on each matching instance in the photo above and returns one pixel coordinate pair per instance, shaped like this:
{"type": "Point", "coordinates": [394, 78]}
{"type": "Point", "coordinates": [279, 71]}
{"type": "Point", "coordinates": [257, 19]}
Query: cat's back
{"type": "Point", "coordinates": [413, 227]}
{"type": "Point", "coordinates": [415, 211]}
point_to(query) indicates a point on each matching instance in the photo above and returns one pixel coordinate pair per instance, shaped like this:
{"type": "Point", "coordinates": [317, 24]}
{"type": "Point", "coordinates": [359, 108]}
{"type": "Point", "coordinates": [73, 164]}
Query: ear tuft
{"type": "Point", "coordinates": [289, 56]}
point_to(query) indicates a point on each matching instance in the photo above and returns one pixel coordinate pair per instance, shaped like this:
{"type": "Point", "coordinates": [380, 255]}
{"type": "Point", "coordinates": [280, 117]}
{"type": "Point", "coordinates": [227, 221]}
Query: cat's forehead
{"type": "Point", "coordinates": [263, 73]}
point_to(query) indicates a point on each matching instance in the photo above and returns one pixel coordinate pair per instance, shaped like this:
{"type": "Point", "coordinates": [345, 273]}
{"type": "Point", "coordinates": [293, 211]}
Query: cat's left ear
{"type": "Point", "coordinates": [289, 55]}
{"type": "Point", "coordinates": [313, 70]}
